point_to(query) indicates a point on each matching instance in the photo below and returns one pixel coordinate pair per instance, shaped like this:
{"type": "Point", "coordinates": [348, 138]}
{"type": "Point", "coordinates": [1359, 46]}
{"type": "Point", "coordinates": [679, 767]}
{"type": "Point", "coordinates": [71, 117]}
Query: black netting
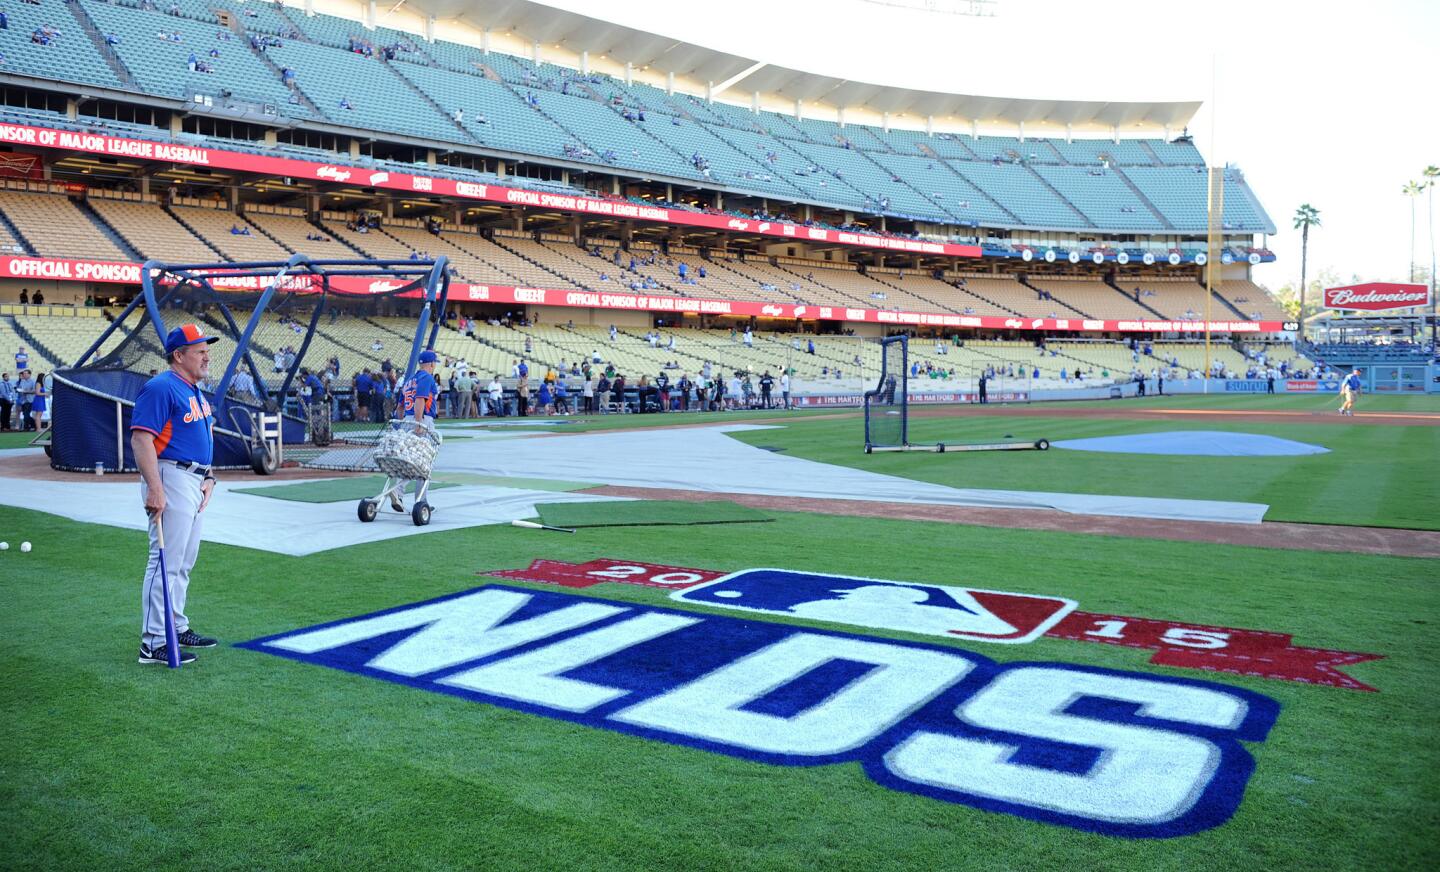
{"type": "Point", "coordinates": [886, 404]}
{"type": "Point", "coordinates": [305, 326]}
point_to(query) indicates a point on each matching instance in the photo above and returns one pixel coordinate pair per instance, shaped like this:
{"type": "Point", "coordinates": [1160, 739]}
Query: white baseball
{"type": "Point", "coordinates": [4, 546]}
{"type": "Point", "coordinates": [25, 546]}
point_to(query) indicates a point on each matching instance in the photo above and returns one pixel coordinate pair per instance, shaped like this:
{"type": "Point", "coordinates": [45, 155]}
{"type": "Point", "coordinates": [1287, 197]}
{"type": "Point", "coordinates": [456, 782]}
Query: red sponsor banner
{"type": "Point", "coordinates": [69, 270]}
{"type": "Point", "coordinates": [1295, 386]}
{"type": "Point", "coordinates": [1377, 296]}
{"type": "Point", "coordinates": [21, 166]}
{"type": "Point", "coordinates": [1216, 649]}
{"type": "Point", "coordinates": [395, 181]}
{"type": "Point", "coordinates": [1185, 646]}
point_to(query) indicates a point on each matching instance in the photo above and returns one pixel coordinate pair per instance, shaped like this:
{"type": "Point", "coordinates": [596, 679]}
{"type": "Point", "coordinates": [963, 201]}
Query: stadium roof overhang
{"type": "Point", "coordinates": [536, 22]}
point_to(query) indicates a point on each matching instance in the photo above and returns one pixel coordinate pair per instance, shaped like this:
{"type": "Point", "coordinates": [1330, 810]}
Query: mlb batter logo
{"type": "Point", "coordinates": [929, 609]}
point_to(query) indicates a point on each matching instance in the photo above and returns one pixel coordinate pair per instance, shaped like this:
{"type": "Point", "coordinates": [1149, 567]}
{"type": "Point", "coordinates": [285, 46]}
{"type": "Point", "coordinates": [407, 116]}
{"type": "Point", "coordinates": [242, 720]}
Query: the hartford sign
{"type": "Point", "coordinates": [1116, 752]}
{"type": "Point", "coordinates": [1377, 296]}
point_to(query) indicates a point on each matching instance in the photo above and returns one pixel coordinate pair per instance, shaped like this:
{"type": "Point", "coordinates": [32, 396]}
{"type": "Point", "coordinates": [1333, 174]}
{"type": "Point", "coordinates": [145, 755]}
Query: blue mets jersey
{"type": "Point", "coordinates": [421, 388]}
{"type": "Point", "coordinates": [178, 415]}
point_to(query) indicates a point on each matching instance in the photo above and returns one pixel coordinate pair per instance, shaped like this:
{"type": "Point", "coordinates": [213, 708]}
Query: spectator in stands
{"type": "Point", "coordinates": [287, 76]}
{"type": "Point", "coordinates": [346, 104]}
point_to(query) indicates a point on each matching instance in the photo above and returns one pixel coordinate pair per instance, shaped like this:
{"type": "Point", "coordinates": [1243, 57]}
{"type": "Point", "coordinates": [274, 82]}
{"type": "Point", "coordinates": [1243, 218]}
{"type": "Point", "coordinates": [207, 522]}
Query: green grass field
{"type": "Point", "coordinates": [251, 761]}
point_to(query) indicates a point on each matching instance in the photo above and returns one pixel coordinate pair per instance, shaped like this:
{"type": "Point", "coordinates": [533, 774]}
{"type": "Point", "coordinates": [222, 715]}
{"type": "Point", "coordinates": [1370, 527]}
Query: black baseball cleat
{"type": "Point", "coordinates": [192, 639]}
{"type": "Point", "coordinates": [159, 654]}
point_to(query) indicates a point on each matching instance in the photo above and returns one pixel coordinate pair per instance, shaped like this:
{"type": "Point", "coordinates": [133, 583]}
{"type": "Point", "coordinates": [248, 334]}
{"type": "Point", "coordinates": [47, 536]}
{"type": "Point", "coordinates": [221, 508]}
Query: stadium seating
{"type": "Point", "coordinates": [1101, 196]}
{"type": "Point", "coordinates": [612, 138]}
{"type": "Point", "coordinates": [290, 231]}
{"type": "Point", "coordinates": [1252, 300]}
{"type": "Point", "coordinates": [66, 332]}
{"type": "Point", "coordinates": [10, 340]}
{"type": "Point", "coordinates": [9, 243]}
{"type": "Point", "coordinates": [357, 91]}
{"type": "Point", "coordinates": [160, 66]}
{"type": "Point", "coordinates": [987, 295]}
{"type": "Point", "coordinates": [56, 227]}
{"type": "Point", "coordinates": [1019, 191]}
{"type": "Point", "coordinates": [1180, 194]}
{"type": "Point", "coordinates": [1125, 152]}
{"type": "Point", "coordinates": [468, 265]}
{"type": "Point", "coordinates": [1177, 298]}
{"type": "Point", "coordinates": [215, 226]}
{"type": "Point", "coordinates": [152, 231]}
{"type": "Point", "coordinates": [70, 56]}
{"type": "Point", "coordinates": [493, 114]}
{"type": "Point", "coordinates": [946, 188]}
{"type": "Point", "coordinates": [1091, 297]}
{"type": "Point", "coordinates": [417, 93]}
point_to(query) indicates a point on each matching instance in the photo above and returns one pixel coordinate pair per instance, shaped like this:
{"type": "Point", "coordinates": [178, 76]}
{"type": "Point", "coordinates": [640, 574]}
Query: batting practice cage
{"type": "Point", "coordinates": [272, 319]}
{"type": "Point", "coordinates": [887, 404]}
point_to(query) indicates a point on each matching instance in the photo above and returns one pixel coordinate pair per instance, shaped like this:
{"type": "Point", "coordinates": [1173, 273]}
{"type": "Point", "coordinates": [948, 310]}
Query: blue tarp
{"type": "Point", "coordinates": [1196, 443]}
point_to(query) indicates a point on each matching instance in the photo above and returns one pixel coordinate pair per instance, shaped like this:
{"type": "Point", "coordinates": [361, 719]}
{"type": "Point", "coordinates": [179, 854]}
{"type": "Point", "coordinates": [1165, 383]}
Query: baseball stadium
{"type": "Point", "coordinates": [597, 446]}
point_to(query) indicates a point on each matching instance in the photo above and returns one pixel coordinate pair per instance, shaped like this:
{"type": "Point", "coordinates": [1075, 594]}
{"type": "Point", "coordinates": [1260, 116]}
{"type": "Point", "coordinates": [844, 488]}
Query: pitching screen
{"type": "Point", "coordinates": [886, 406]}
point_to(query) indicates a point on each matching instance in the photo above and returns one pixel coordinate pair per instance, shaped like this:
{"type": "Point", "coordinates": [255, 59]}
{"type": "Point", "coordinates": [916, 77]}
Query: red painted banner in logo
{"type": "Point", "coordinates": [1216, 649]}
{"type": "Point", "coordinates": [1237, 651]}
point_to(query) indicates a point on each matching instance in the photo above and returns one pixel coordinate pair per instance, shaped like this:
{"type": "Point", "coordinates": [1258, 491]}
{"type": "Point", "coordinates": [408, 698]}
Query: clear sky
{"type": "Point", "coordinates": [1330, 103]}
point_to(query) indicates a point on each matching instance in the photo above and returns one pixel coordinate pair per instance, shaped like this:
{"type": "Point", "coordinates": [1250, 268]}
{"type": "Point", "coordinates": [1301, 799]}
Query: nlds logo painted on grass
{"type": "Point", "coordinates": [1119, 753]}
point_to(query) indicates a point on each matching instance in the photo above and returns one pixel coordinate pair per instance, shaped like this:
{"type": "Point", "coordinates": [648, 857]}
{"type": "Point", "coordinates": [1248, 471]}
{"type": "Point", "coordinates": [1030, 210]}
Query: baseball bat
{"type": "Point", "coordinates": [531, 525]}
{"type": "Point", "coordinates": [172, 641]}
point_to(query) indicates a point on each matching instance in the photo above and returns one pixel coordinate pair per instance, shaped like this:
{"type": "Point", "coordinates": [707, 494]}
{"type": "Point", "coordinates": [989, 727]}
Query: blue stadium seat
{"type": "Point", "coordinates": [1180, 194]}
{"type": "Point", "coordinates": [1101, 195]}
{"type": "Point", "coordinates": [951, 191]}
{"type": "Point", "coordinates": [508, 123]}
{"type": "Point", "coordinates": [1019, 191]}
{"type": "Point", "coordinates": [160, 65]}
{"type": "Point", "coordinates": [381, 99]}
{"type": "Point", "coordinates": [71, 57]}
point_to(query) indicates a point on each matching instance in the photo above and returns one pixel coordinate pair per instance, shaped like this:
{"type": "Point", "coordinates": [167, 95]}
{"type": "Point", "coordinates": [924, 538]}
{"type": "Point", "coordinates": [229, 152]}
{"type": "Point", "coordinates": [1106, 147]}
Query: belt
{"type": "Point", "coordinates": [203, 471]}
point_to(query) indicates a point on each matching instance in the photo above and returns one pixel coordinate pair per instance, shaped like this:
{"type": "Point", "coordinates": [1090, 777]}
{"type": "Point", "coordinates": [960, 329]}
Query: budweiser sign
{"type": "Point", "coordinates": [1377, 296]}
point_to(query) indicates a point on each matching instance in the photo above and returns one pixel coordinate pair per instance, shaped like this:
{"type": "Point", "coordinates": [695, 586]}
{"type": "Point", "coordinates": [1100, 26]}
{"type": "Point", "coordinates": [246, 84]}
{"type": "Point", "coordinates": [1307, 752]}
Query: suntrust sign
{"type": "Point", "coordinates": [1377, 296]}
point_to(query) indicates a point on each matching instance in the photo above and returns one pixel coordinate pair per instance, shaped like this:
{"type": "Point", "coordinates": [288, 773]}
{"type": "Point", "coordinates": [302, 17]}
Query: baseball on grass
{"type": "Point", "coordinates": [25, 546]}
{"type": "Point", "coordinates": [4, 546]}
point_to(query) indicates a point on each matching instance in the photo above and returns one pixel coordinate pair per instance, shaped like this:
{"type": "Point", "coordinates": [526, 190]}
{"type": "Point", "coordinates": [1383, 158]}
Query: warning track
{"type": "Point", "coordinates": [1295, 537]}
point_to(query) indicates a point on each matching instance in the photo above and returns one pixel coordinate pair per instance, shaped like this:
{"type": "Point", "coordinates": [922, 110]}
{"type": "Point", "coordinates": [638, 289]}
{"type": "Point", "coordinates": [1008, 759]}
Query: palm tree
{"type": "Point", "coordinates": [1432, 177]}
{"type": "Point", "coordinates": [1306, 216]}
{"type": "Point", "coordinates": [1413, 190]}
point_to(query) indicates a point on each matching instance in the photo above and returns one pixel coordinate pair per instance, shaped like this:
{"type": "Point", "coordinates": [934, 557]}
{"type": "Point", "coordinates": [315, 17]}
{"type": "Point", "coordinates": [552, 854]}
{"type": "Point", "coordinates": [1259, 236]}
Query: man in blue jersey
{"type": "Point", "coordinates": [1349, 390]}
{"type": "Point", "coordinates": [170, 435]}
{"type": "Point", "coordinates": [417, 404]}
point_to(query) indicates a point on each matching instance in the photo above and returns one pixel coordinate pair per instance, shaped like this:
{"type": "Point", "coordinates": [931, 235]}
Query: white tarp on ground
{"type": "Point", "coordinates": [279, 526]}
{"type": "Point", "coordinates": [705, 459]}
{"type": "Point", "coordinates": [696, 458]}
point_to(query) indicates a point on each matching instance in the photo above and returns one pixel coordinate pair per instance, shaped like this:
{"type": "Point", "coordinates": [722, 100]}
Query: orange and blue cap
{"type": "Point", "coordinates": [186, 334]}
